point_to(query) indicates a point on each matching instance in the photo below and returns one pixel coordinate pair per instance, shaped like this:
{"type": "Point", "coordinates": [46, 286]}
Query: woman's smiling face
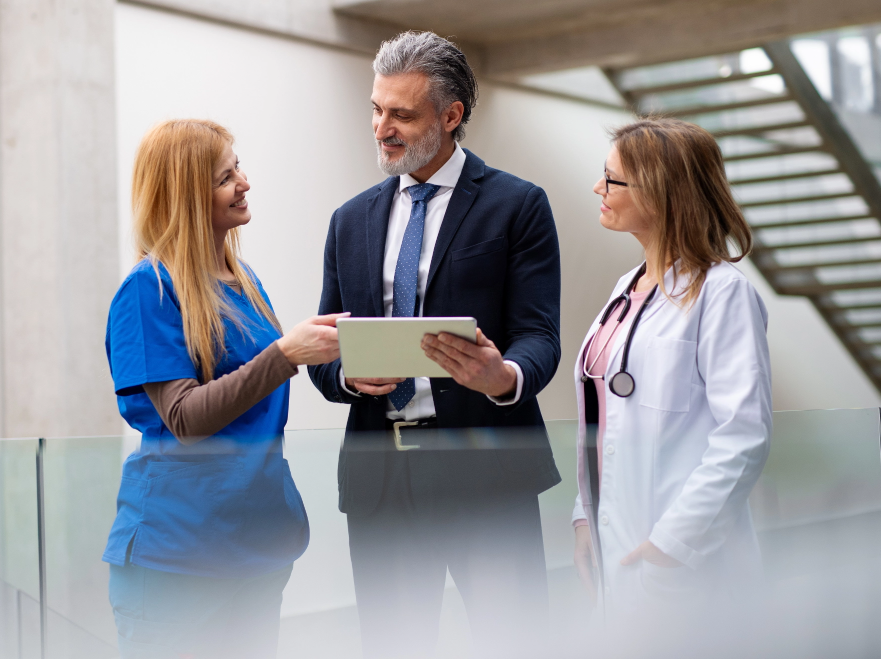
{"type": "Point", "coordinates": [230, 208]}
{"type": "Point", "coordinates": [618, 211]}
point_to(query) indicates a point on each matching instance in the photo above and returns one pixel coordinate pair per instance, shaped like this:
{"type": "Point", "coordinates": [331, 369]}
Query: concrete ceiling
{"type": "Point", "coordinates": [516, 37]}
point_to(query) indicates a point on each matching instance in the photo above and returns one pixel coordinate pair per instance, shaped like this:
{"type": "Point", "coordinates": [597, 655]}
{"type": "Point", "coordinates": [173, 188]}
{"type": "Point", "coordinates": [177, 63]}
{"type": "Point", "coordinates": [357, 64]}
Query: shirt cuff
{"type": "Point", "coordinates": [672, 547]}
{"type": "Point", "coordinates": [580, 522]}
{"type": "Point", "coordinates": [357, 394]}
{"type": "Point", "coordinates": [511, 401]}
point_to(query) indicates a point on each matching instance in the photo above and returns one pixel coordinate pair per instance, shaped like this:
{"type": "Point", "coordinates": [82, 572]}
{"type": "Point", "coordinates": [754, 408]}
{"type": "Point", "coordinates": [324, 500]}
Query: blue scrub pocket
{"type": "Point", "coordinates": [220, 519]}
{"type": "Point", "coordinates": [186, 503]}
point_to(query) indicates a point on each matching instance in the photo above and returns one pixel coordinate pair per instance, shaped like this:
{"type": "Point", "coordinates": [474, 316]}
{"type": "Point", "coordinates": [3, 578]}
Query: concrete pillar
{"type": "Point", "coordinates": [58, 227]}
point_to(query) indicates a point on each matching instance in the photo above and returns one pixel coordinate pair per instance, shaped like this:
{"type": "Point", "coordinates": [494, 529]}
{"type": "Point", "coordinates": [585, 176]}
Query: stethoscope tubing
{"type": "Point", "coordinates": [622, 384]}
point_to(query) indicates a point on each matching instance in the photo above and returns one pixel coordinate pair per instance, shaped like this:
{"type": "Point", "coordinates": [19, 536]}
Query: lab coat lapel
{"type": "Point", "coordinates": [378, 209]}
{"type": "Point", "coordinates": [463, 197]}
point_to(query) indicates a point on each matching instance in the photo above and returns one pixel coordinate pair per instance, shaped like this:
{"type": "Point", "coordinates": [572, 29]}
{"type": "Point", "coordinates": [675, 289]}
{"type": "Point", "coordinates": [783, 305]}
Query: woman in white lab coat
{"type": "Point", "coordinates": [674, 411]}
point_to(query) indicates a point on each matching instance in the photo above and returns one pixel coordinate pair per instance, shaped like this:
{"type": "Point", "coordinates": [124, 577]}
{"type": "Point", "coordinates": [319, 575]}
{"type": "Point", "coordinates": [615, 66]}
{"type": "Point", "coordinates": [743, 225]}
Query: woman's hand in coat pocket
{"type": "Point", "coordinates": [584, 560]}
{"type": "Point", "coordinates": [651, 554]}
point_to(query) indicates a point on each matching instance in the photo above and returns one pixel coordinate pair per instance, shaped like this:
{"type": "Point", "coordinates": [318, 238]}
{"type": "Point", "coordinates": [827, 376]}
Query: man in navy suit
{"type": "Point", "coordinates": [445, 235]}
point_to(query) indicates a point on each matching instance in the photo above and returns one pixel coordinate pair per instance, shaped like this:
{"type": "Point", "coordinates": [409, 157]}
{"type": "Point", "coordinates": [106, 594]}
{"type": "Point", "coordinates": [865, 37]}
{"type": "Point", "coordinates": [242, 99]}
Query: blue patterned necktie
{"type": "Point", "coordinates": [407, 275]}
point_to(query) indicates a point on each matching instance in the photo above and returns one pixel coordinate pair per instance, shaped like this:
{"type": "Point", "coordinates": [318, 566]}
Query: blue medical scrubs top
{"type": "Point", "coordinates": [227, 505]}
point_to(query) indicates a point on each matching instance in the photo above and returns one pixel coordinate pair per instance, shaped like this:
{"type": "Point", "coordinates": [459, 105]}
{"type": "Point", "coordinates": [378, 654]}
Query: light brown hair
{"type": "Point", "coordinates": [172, 193]}
{"type": "Point", "coordinates": [677, 176]}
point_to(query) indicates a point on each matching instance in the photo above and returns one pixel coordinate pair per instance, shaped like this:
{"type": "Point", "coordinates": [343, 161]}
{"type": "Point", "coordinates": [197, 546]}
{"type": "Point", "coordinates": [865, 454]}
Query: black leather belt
{"type": "Point", "coordinates": [396, 426]}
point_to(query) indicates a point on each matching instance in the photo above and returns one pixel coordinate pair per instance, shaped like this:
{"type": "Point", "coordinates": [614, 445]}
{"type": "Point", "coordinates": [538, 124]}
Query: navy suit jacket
{"type": "Point", "coordinates": [497, 259]}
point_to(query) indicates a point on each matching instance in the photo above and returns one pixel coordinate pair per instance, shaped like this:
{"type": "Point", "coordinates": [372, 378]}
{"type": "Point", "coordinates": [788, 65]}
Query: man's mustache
{"type": "Point", "coordinates": [393, 141]}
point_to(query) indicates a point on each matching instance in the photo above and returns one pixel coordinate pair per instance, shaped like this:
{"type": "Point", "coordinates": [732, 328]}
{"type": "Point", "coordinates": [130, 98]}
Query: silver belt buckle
{"type": "Point", "coordinates": [397, 425]}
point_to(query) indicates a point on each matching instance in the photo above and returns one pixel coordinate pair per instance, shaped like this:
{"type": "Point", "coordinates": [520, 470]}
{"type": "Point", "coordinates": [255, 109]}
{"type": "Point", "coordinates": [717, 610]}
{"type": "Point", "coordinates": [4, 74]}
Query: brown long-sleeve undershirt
{"type": "Point", "coordinates": [194, 411]}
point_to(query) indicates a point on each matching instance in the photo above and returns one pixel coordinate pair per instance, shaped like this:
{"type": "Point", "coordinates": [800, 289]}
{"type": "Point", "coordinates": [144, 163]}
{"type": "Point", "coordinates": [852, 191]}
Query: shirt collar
{"type": "Point", "coordinates": [446, 177]}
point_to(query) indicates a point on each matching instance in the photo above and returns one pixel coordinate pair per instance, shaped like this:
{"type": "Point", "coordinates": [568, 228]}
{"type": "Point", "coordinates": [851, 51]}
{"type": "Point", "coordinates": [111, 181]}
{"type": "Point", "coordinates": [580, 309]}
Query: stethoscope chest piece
{"type": "Point", "coordinates": [622, 384]}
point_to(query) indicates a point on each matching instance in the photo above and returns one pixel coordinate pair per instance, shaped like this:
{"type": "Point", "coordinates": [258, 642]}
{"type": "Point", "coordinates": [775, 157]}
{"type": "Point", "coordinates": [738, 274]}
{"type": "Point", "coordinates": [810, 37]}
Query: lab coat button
{"type": "Point", "coordinates": [610, 449]}
{"type": "Point", "coordinates": [604, 520]}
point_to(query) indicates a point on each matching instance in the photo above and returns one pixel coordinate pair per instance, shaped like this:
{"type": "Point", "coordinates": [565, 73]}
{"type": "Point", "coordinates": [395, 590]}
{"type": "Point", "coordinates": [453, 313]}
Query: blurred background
{"type": "Point", "coordinates": [791, 89]}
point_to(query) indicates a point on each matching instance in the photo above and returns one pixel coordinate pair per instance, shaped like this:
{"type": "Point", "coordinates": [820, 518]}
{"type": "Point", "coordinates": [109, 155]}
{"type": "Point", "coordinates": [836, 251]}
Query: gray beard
{"type": "Point", "coordinates": [416, 154]}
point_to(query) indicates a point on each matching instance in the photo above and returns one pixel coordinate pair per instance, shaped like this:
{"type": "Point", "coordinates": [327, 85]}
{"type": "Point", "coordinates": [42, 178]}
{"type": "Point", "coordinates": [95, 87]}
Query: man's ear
{"type": "Point", "coordinates": [452, 116]}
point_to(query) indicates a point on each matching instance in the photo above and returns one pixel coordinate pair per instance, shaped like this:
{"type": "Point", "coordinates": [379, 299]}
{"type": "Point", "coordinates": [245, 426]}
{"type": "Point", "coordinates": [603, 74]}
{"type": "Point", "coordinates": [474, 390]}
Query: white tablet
{"type": "Point", "coordinates": [391, 347]}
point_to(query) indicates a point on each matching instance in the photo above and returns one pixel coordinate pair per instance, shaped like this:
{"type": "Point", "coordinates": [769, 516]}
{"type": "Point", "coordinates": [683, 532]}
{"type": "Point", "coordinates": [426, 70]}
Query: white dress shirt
{"type": "Point", "coordinates": [421, 406]}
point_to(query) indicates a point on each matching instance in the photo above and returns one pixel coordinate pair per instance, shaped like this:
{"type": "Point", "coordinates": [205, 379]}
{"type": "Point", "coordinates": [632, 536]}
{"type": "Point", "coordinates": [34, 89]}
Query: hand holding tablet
{"type": "Point", "coordinates": [478, 366]}
{"type": "Point", "coordinates": [380, 352]}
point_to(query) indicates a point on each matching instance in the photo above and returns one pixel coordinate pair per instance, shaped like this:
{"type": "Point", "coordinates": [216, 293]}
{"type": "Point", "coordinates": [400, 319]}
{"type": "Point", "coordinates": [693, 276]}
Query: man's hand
{"type": "Point", "coordinates": [651, 554]}
{"type": "Point", "coordinates": [584, 560]}
{"type": "Point", "coordinates": [478, 366]}
{"type": "Point", "coordinates": [373, 386]}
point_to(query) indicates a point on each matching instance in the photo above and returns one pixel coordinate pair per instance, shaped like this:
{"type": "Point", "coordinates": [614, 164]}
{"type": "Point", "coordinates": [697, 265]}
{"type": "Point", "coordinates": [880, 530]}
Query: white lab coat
{"type": "Point", "coordinates": [681, 454]}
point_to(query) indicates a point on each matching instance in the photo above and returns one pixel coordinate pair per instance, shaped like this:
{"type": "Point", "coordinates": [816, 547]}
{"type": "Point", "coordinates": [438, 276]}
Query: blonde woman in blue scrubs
{"type": "Point", "coordinates": [209, 521]}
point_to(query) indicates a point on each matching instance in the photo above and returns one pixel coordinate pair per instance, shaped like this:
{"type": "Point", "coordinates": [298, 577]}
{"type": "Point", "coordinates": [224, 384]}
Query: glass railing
{"type": "Point", "coordinates": [817, 509]}
{"type": "Point", "coordinates": [19, 550]}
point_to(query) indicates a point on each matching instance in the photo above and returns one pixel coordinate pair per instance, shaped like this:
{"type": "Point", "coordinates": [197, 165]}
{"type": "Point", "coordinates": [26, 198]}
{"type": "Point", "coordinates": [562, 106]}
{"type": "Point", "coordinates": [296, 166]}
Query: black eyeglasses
{"type": "Point", "coordinates": [610, 181]}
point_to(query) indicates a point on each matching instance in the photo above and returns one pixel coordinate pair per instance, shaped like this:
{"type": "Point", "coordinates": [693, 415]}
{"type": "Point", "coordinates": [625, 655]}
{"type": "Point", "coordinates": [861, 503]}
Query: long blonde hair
{"type": "Point", "coordinates": [677, 176]}
{"type": "Point", "coordinates": [172, 191]}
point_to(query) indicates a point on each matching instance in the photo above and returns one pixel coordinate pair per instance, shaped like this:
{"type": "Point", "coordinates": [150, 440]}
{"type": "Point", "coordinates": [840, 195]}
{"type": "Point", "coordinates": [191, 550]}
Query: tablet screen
{"type": "Point", "coordinates": [391, 347]}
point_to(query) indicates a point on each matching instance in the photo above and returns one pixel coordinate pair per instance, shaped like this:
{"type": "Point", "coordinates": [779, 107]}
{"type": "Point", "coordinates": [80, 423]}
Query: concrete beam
{"type": "Point", "coordinates": [58, 217]}
{"type": "Point", "coordinates": [675, 30]}
{"type": "Point", "coordinates": [489, 21]}
{"type": "Point", "coordinates": [524, 36]}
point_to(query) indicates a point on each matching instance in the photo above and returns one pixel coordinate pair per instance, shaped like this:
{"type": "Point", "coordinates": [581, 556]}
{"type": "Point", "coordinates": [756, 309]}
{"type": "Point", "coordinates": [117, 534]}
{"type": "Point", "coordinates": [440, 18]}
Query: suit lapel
{"type": "Point", "coordinates": [464, 194]}
{"type": "Point", "coordinates": [378, 209]}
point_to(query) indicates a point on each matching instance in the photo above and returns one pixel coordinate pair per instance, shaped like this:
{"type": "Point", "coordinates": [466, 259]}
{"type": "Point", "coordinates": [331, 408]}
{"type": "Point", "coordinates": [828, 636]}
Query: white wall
{"type": "Point", "coordinates": [301, 115]}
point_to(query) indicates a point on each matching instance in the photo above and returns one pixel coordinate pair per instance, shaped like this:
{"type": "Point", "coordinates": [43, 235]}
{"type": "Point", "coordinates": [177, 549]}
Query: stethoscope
{"type": "Point", "coordinates": [622, 383]}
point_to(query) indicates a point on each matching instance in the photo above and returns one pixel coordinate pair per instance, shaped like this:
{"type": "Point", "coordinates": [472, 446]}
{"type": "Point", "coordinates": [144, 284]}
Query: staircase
{"type": "Point", "coordinates": [809, 192]}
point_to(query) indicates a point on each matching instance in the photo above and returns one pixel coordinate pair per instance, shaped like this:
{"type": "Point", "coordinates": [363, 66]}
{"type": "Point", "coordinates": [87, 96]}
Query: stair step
{"type": "Point", "coordinates": [770, 266]}
{"type": "Point", "coordinates": [818, 289]}
{"type": "Point", "coordinates": [870, 297]}
{"type": "Point", "coordinates": [796, 200]}
{"type": "Point", "coordinates": [786, 177]}
{"type": "Point", "coordinates": [786, 151]}
{"type": "Point", "coordinates": [819, 220]}
{"type": "Point", "coordinates": [728, 107]}
{"type": "Point", "coordinates": [808, 280]}
{"type": "Point", "coordinates": [759, 130]}
{"type": "Point", "coordinates": [762, 247]}
{"type": "Point", "coordinates": [692, 84]}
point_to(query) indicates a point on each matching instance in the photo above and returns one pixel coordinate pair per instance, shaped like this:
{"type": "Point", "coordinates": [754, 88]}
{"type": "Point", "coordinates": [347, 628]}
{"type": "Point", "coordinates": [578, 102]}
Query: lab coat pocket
{"type": "Point", "coordinates": [667, 375]}
{"type": "Point", "coordinates": [669, 583]}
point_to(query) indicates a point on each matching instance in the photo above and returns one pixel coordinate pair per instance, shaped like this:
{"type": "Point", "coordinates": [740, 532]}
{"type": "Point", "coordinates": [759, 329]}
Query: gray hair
{"type": "Point", "coordinates": [450, 77]}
